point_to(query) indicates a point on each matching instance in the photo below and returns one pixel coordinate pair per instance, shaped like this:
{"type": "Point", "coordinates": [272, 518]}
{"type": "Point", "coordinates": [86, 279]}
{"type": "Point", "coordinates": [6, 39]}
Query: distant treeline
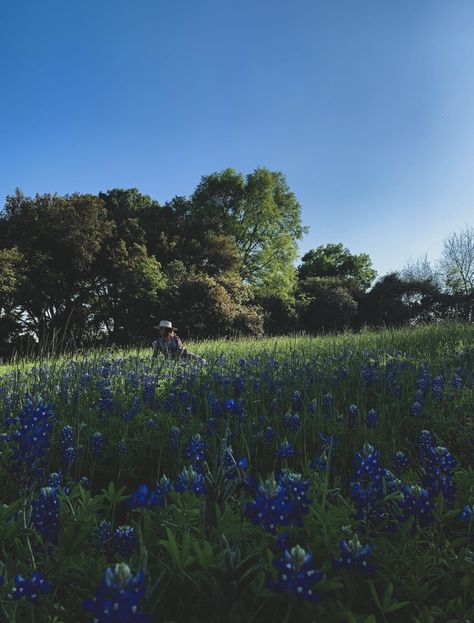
{"type": "Point", "coordinates": [81, 270]}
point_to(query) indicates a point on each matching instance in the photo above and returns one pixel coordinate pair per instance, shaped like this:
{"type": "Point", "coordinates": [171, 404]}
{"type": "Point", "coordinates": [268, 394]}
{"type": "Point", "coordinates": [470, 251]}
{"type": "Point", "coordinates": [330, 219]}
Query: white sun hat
{"type": "Point", "coordinates": [166, 324]}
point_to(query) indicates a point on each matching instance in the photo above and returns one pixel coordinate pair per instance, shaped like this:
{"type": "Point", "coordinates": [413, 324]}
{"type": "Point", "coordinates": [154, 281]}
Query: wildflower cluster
{"type": "Point", "coordinates": [30, 441]}
{"type": "Point", "coordinates": [279, 503]}
{"type": "Point", "coordinates": [118, 598]}
{"type": "Point", "coordinates": [296, 574]}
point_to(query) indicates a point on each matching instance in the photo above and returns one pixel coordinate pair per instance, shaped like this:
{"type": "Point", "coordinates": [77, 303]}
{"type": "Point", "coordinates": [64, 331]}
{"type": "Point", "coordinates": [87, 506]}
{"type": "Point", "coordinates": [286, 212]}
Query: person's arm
{"type": "Point", "coordinates": [182, 351]}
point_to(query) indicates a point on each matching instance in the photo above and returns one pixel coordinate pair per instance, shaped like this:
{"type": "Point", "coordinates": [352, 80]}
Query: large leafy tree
{"type": "Point", "coordinates": [336, 262]}
{"type": "Point", "coordinates": [331, 281]}
{"type": "Point", "coordinates": [58, 238]}
{"type": "Point", "coordinates": [87, 271]}
{"type": "Point", "coordinates": [264, 219]}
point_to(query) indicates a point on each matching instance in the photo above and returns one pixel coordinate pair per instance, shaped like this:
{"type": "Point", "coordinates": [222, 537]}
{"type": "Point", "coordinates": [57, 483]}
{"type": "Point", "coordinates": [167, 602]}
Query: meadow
{"type": "Point", "coordinates": [291, 479]}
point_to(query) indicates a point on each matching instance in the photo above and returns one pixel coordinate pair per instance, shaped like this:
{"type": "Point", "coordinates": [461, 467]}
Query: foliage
{"type": "Point", "coordinates": [136, 489]}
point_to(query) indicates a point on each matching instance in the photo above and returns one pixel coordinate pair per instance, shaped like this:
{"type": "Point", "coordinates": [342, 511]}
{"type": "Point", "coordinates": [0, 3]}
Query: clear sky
{"type": "Point", "coordinates": [367, 106]}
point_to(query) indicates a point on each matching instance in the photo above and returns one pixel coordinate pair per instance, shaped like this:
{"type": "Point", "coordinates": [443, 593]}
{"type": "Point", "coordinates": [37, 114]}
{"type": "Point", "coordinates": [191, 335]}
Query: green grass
{"type": "Point", "coordinates": [441, 342]}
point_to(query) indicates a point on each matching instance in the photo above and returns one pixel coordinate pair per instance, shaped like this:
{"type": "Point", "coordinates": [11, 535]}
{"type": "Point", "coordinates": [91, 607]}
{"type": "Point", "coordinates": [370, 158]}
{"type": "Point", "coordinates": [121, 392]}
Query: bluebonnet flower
{"type": "Point", "coordinates": [106, 399]}
{"type": "Point", "coordinates": [292, 422]}
{"type": "Point", "coordinates": [124, 541]}
{"type": "Point", "coordinates": [118, 597]}
{"type": "Point", "coordinates": [372, 417]}
{"type": "Point", "coordinates": [174, 437]}
{"type": "Point", "coordinates": [313, 406]}
{"type": "Point", "coordinates": [190, 480]}
{"type": "Point", "coordinates": [438, 476]}
{"type": "Point", "coordinates": [30, 441]}
{"type": "Point", "coordinates": [160, 493]}
{"type": "Point", "coordinates": [239, 385]}
{"type": "Point", "coordinates": [269, 434]}
{"type": "Point", "coordinates": [467, 513]}
{"type": "Point", "coordinates": [353, 411]}
{"type": "Point", "coordinates": [233, 407]}
{"type": "Point", "coordinates": [279, 503]}
{"type": "Point", "coordinates": [196, 451]}
{"type": "Point", "coordinates": [69, 457]}
{"type": "Point", "coordinates": [131, 413]}
{"type": "Point", "coordinates": [66, 436]}
{"type": "Point", "coordinates": [368, 484]}
{"type": "Point", "coordinates": [97, 443]}
{"type": "Point", "coordinates": [328, 400]}
{"type": "Point", "coordinates": [149, 388]}
{"type": "Point", "coordinates": [231, 465]}
{"type": "Point", "coordinates": [103, 533]}
{"type": "Point", "coordinates": [285, 450]}
{"type": "Point", "coordinates": [32, 588]}
{"type": "Point", "coordinates": [456, 381]}
{"type": "Point", "coordinates": [297, 401]}
{"type": "Point", "coordinates": [55, 479]}
{"type": "Point", "coordinates": [296, 575]}
{"type": "Point", "coordinates": [400, 460]}
{"type": "Point", "coordinates": [295, 488]}
{"type": "Point", "coordinates": [354, 556]}
{"type": "Point", "coordinates": [270, 507]}
{"type": "Point", "coordinates": [437, 387]}
{"type": "Point", "coordinates": [327, 441]}
{"type": "Point", "coordinates": [416, 409]}
{"type": "Point", "coordinates": [320, 461]}
{"type": "Point", "coordinates": [425, 441]}
{"type": "Point", "coordinates": [139, 497]}
{"type": "Point", "coordinates": [415, 503]}
{"type": "Point", "coordinates": [45, 515]}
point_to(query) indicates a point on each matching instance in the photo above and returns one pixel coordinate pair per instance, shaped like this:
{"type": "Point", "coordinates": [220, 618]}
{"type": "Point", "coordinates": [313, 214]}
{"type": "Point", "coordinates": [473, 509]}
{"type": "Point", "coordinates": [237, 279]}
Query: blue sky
{"type": "Point", "coordinates": [367, 106]}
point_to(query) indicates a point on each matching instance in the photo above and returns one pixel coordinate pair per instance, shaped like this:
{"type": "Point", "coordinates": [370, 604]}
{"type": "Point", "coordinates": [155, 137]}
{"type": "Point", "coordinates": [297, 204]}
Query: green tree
{"type": "Point", "coordinates": [331, 281]}
{"type": "Point", "coordinates": [264, 218]}
{"type": "Point", "coordinates": [354, 272]}
{"type": "Point", "coordinates": [59, 239]}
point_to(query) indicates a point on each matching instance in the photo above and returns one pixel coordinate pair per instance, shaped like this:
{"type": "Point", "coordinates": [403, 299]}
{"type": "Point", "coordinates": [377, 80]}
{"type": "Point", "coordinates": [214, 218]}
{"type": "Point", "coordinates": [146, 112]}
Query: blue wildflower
{"type": "Point", "coordinates": [31, 589]}
{"type": "Point", "coordinates": [118, 597]}
{"type": "Point", "coordinates": [400, 460]}
{"type": "Point", "coordinates": [291, 421]}
{"type": "Point", "coordinates": [372, 417]}
{"type": "Point", "coordinates": [190, 480]}
{"type": "Point", "coordinates": [438, 476]}
{"type": "Point", "coordinates": [96, 443]}
{"type": "Point", "coordinates": [124, 541]}
{"type": "Point", "coordinates": [103, 533]}
{"type": "Point", "coordinates": [160, 492]}
{"type": "Point", "coordinates": [285, 450]}
{"type": "Point", "coordinates": [196, 451]}
{"type": "Point", "coordinates": [69, 457]}
{"type": "Point", "coordinates": [269, 434]}
{"type": "Point", "coordinates": [30, 441]}
{"type": "Point", "coordinates": [45, 515]}
{"type": "Point", "coordinates": [296, 575]}
{"type": "Point", "coordinates": [416, 408]}
{"type": "Point", "coordinates": [416, 504]}
{"type": "Point", "coordinates": [139, 497]}
{"type": "Point", "coordinates": [354, 556]}
{"type": "Point", "coordinates": [467, 513]}
{"type": "Point", "coordinates": [353, 411]}
{"type": "Point", "coordinates": [174, 437]}
{"type": "Point", "coordinates": [297, 401]}
{"type": "Point", "coordinates": [66, 436]}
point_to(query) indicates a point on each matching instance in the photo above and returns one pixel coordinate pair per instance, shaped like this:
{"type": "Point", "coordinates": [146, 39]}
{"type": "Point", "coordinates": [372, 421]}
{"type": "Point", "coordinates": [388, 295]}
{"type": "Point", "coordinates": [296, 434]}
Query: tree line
{"type": "Point", "coordinates": [83, 269]}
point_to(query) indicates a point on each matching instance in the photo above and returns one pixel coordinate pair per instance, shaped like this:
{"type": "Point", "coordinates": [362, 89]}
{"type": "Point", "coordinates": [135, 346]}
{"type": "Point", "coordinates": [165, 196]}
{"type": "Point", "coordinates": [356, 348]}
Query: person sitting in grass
{"type": "Point", "coordinates": [169, 344]}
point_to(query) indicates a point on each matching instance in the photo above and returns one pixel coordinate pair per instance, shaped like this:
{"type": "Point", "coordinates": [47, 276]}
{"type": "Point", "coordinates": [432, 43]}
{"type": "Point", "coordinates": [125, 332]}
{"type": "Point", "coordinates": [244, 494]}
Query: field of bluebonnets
{"type": "Point", "coordinates": [299, 479]}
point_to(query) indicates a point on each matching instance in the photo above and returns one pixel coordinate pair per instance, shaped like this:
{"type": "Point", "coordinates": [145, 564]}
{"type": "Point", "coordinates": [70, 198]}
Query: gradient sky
{"type": "Point", "coordinates": [367, 106]}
